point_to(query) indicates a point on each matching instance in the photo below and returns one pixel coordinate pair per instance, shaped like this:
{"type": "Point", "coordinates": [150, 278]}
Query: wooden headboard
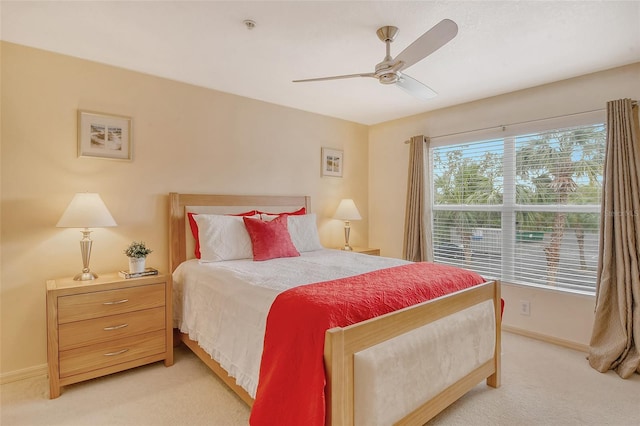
{"type": "Point", "coordinates": [181, 241]}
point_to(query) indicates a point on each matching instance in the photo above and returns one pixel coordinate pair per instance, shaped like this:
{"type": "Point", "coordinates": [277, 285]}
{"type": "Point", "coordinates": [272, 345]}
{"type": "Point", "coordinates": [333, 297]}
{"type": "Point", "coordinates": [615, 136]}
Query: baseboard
{"type": "Point", "coordinates": [545, 338]}
{"type": "Point", "coordinates": [25, 373]}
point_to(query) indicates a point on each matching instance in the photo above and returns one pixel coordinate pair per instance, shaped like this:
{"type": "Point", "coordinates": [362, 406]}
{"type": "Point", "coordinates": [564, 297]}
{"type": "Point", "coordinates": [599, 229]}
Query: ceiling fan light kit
{"type": "Point", "coordinates": [389, 71]}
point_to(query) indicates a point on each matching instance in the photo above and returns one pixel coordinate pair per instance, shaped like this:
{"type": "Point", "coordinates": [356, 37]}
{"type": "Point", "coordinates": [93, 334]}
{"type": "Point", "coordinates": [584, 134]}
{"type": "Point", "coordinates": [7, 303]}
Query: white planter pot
{"type": "Point", "coordinates": [136, 264]}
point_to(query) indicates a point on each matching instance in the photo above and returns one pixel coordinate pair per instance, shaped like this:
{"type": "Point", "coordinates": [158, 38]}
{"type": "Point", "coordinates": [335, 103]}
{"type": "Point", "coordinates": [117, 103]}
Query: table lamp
{"type": "Point", "coordinates": [86, 210]}
{"type": "Point", "coordinates": [347, 211]}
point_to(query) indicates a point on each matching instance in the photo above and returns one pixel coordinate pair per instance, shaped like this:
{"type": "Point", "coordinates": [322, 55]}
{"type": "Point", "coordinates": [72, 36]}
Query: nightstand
{"type": "Point", "coordinates": [365, 250]}
{"type": "Point", "coordinates": [106, 325]}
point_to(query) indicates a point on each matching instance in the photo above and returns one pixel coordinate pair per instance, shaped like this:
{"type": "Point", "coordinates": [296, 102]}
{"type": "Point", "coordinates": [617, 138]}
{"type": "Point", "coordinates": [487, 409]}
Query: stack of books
{"type": "Point", "coordinates": [146, 272]}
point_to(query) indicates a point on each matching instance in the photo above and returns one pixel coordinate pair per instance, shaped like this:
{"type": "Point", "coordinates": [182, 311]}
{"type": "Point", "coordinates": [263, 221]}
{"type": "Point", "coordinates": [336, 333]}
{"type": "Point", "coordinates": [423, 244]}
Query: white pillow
{"type": "Point", "coordinates": [304, 232]}
{"type": "Point", "coordinates": [302, 229]}
{"type": "Point", "coordinates": [223, 237]}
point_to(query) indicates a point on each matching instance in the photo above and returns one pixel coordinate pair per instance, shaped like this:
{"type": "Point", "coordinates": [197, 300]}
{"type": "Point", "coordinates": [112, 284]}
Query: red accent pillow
{"type": "Point", "coordinates": [270, 240]}
{"type": "Point", "coordinates": [301, 210]}
{"type": "Point", "coordinates": [194, 228]}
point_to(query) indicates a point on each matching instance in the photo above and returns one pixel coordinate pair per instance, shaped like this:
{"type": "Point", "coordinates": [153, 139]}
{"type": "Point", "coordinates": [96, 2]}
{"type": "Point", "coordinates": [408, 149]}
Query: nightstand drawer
{"type": "Point", "coordinates": [89, 332]}
{"type": "Point", "coordinates": [89, 358]}
{"type": "Point", "coordinates": [102, 303]}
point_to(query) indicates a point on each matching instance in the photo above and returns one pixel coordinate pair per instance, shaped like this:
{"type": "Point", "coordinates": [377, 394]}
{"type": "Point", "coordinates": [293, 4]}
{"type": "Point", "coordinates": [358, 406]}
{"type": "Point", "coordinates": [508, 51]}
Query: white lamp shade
{"type": "Point", "coordinates": [86, 210]}
{"type": "Point", "coordinates": [347, 210]}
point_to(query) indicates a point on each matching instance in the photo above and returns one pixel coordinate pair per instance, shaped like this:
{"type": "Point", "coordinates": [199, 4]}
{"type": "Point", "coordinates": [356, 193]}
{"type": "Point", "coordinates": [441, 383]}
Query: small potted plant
{"type": "Point", "coordinates": [137, 253]}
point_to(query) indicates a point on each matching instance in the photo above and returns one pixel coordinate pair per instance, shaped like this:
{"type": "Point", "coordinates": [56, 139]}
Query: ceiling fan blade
{"type": "Point", "coordinates": [415, 88]}
{"type": "Point", "coordinates": [442, 33]}
{"type": "Point", "coordinates": [337, 77]}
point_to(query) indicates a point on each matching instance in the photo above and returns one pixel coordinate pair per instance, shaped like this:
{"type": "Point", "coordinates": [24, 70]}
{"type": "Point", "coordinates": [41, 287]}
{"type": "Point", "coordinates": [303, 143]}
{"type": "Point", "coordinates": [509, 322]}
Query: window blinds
{"type": "Point", "coordinates": [523, 209]}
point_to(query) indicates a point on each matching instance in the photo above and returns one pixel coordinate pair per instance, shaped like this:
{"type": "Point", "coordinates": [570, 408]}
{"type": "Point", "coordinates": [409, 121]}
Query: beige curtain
{"type": "Point", "coordinates": [615, 340]}
{"type": "Point", "coordinates": [417, 223]}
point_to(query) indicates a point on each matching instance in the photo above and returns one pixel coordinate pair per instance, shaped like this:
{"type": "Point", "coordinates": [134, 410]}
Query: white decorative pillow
{"type": "Point", "coordinates": [304, 232]}
{"type": "Point", "coordinates": [302, 229]}
{"type": "Point", "coordinates": [223, 237]}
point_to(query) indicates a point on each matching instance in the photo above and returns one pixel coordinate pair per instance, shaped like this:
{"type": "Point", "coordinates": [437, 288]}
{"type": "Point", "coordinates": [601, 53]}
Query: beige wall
{"type": "Point", "coordinates": [188, 138]}
{"type": "Point", "coordinates": [185, 139]}
{"type": "Point", "coordinates": [561, 316]}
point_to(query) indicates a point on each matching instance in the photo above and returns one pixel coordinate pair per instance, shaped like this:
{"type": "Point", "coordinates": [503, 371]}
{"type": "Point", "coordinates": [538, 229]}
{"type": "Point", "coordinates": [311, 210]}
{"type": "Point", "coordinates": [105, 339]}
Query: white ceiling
{"type": "Point", "coordinates": [501, 46]}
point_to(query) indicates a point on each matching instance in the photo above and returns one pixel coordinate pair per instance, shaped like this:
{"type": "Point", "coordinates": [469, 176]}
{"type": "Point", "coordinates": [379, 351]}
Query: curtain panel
{"type": "Point", "coordinates": [615, 338]}
{"type": "Point", "coordinates": [417, 224]}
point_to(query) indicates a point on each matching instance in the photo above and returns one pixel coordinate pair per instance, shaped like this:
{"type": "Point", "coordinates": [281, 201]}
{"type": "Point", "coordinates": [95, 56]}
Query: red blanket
{"type": "Point", "coordinates": [292, 380]}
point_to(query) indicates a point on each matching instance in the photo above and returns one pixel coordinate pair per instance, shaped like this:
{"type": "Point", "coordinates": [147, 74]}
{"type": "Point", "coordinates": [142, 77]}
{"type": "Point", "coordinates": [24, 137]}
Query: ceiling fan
{"type": "Point", "coordinates": [389, 71]}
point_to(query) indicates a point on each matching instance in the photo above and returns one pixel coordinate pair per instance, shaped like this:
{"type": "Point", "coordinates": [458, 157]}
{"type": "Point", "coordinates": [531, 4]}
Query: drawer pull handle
{"type": "Point", "coordinates": [117, 302]}
{"type": "Point", "coordinates": [116, 353]}
{"type": "Point", "coordinates": [116, 327]}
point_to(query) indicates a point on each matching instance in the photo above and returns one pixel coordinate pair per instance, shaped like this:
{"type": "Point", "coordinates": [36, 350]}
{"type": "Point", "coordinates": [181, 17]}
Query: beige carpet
{"type": "Point", "coordinates": [542, 384]}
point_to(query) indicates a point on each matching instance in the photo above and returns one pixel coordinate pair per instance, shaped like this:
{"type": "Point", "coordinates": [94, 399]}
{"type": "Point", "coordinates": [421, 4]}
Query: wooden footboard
{"type": "Point", "coordinates": [341, 344]}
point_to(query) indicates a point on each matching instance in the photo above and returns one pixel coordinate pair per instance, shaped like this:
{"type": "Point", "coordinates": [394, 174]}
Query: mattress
{"type": "Point", "coordinates": [224, 305]}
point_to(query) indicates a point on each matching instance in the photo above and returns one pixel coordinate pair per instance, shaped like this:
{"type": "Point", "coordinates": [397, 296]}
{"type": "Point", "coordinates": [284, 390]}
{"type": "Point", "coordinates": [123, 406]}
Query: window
{"type": "Point", "coordinates": [523, 209]}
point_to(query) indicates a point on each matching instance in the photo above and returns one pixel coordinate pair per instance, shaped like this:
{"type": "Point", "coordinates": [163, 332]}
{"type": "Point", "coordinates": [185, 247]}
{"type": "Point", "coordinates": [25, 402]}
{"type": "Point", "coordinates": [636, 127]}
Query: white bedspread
{"type": "Point", "coordinates": [224, 305]}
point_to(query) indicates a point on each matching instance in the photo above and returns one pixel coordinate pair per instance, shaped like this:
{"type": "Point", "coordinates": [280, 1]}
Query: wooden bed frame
{"type": "Point", "coordinates": [342, 343]}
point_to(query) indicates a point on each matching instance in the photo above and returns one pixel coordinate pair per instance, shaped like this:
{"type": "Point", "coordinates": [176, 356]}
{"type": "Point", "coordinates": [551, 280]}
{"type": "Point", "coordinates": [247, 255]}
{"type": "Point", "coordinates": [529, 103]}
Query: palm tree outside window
{"type": "Point", "coordinates": [522, 209]}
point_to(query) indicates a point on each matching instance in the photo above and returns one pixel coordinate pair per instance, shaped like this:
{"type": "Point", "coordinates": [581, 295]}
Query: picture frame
{"type": "Point", "coordinates": [332, 162]}
{"type": "Point", "coordinates": [104, 136]}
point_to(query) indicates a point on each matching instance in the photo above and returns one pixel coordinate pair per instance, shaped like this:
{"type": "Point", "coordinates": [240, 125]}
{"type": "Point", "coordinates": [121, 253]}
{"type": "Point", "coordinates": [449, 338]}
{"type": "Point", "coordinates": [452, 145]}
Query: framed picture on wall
{"type": "Point", "coordinates": [104, 136]}
{"type": "Point", "coordinates": [332, 162]}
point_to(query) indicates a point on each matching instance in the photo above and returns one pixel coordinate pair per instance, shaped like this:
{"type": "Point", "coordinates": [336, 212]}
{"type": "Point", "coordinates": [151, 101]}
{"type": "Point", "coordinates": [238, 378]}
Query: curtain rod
{"type": "Point", "coordinates": [503, 126]}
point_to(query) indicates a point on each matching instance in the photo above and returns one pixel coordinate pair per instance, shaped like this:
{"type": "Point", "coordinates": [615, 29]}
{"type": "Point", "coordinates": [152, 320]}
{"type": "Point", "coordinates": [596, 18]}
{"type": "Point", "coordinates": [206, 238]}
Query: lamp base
{"type": "Point", "coordinates": [347, 231]}
{"type": "Point", "coordinates": [85, 276]}
{"type": "Point", "coordinates": [85, 249]}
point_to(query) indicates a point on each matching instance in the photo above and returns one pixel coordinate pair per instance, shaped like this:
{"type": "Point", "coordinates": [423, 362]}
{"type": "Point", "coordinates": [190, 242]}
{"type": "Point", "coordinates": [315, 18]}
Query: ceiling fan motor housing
{"type": "Point", "coordinates": [388, 77]}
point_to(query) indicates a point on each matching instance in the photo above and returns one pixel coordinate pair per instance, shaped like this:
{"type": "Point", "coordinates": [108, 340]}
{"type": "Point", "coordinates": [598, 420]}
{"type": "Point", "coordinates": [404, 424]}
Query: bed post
{"type": "Point", "coordinates": [336, 390]}
{"type": "Point", "coordinates": [494, 379]}
{"type": "Point", "coordinates": [177, 250]}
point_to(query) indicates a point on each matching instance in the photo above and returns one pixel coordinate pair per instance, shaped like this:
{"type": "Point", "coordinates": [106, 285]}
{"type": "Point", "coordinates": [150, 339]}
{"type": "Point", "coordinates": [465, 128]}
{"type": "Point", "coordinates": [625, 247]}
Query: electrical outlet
{"type": "Point", "coordinates": [525, 307]}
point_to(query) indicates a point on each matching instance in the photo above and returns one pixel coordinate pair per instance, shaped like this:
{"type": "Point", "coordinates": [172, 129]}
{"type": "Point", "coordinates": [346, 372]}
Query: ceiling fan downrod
{"type": "Point", "coordinates": [386, 71]}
